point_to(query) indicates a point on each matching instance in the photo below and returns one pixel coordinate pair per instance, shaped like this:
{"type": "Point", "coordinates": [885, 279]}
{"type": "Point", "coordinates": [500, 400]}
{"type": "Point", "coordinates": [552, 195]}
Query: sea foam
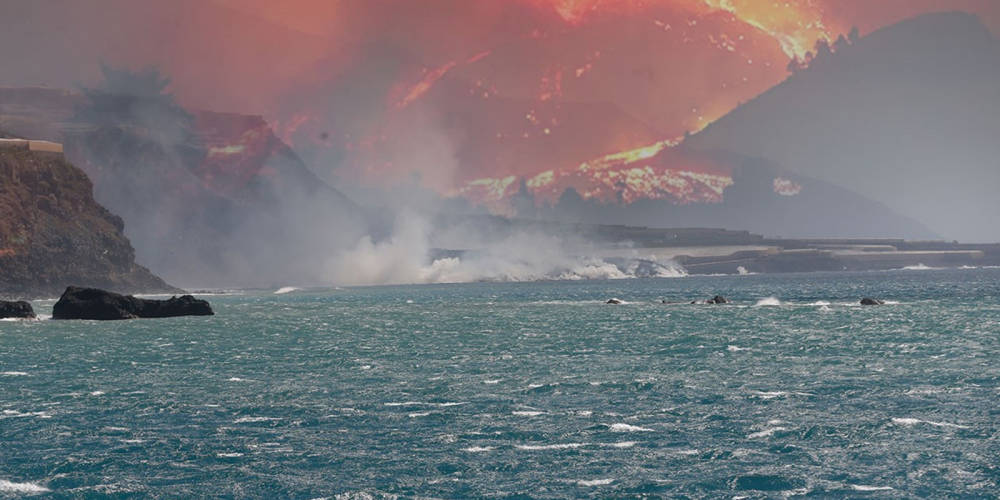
{"type": "Point", "coordinates": [766, 432]}
{"type": "Point", "coordinates": [908, 422]}
{"type": "Point", "coordinates": [595, 482]}
{"type": "Point", "coordinates": [247, 420]}
{"type": "Point", "coordinates": [921, 267]}
{"type": "Point", "coordinates": [628, 428]}
{"type": "Point", "coordinates": [563, 446]}
{"type": "Point", "coordinates": [22, 488]}
{"type": "Point", "coordinates": [528, 413]}
{"type": "Point", "coordinates": [860, 487]}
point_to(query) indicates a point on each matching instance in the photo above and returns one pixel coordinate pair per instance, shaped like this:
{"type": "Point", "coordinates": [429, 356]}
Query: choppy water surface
{"type": "Point", "coordinates": [532, 390]}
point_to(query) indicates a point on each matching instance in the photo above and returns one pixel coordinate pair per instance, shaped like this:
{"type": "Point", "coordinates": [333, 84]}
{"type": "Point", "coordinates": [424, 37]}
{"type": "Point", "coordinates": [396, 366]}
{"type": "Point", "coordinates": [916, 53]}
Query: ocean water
{"type": "Point", "coordinates": [520, 390]}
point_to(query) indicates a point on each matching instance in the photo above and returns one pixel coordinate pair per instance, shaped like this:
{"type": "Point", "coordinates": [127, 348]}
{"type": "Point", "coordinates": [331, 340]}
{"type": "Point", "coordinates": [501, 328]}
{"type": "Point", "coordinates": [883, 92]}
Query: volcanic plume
{"type": "Point", "coordinates": [476, 98]}
{"type": "Point", "coordinates": [468, 98]}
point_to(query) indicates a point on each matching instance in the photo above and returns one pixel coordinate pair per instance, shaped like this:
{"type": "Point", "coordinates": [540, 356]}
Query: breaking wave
{"type": "Point", "coordinates": [769, 301]}
{"type": "Point", "coordinates": [921, 267]}
{"type": "Point", "coordinates": [21, 488]}
{"type": "Point", "coordinates": [628, 428]}
{"type": "Point", "coordinates": [909, 422]}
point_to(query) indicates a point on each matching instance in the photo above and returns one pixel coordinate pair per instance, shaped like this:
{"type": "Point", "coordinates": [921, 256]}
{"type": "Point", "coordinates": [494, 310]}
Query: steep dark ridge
{"type": "Point", "coordinates": [908, 116]}
{"type": "Point", "coordinates": [232, 206]}
{"type": "Point", "coordinates": [205, 216]}
{"type": "Point", "coordinates": [53, 234]}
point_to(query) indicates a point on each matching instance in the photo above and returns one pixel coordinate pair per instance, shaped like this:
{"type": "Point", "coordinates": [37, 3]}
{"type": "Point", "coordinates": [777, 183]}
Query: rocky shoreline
{"type": "Point", "coordinates": [53, 233]}
{"type": "Point", "coordinates": [96, 304]}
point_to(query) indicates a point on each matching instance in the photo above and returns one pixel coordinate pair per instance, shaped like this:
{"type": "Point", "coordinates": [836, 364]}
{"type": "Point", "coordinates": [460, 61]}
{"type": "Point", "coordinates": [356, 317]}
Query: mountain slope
{"type": "Point", "coordinates": [230, 205]}
{"type": "Point", "coordinates": [757, 195]}
{"type": "Point", "coordinates": [241, 210]}
{"type": "Point", "coordinates": [908, 115]}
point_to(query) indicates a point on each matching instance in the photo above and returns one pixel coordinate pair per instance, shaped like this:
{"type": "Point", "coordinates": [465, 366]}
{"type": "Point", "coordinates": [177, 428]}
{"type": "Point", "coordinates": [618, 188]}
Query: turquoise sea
{"type": "Point", "coordinates": [520, 390]}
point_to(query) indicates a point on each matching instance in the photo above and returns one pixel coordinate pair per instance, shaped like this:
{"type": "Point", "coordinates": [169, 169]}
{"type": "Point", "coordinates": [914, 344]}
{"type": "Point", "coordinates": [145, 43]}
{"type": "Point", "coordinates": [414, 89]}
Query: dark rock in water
{"type": "Point", "coordinates": [20, 310]}
{"type": "Point", "coordinates": [872, 302]}
{"type": "Point", "coordinates": [93, 303]}
{"type": "Point", "coordinates": [718, 299]}
{"type": "Point", "coordinates": [615, 302]}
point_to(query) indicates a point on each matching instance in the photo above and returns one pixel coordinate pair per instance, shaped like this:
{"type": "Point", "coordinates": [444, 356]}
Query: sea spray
{"type": "Point", "coordinates": [406, 258]}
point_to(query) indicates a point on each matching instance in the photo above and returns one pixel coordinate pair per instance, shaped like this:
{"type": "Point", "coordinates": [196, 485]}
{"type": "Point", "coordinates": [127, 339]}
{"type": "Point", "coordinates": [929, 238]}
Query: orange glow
{"type": "Point", "coordinates": [786, 187]}
{"type": "Point", "coordinates": [469, 97]}
{"type": "Point", "coordinates": [656, 172]}
{"type": "Point", "coordinates": [625, 158]}
{"type": "Point", "coordinates": [486, 190]}
{"type": "Point", "coordinates": [238, 147]}
{"type": "Point", "coordinates": [421, 88]}
{"type": "Point", "coordinates": [795, 24]}
{"type": "Point", "coordinates": [431, 77]}
{"type": "Point", "coordinates": [286, 129]}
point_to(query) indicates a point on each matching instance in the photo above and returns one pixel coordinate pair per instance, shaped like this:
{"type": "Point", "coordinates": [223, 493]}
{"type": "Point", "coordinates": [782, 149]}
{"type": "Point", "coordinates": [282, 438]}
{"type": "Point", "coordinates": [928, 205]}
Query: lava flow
{"type": "Point", "coordinates": [472, 97]}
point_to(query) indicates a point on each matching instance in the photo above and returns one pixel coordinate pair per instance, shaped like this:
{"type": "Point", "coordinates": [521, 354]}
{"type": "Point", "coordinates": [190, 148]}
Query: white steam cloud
{"type": "Point", "coordinates": [408, 258]}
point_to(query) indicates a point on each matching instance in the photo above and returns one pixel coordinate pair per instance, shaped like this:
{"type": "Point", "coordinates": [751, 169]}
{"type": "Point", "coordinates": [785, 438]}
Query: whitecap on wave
{"type": "Point", "coordinates": [419, 403]}
{"type": "Point", "coordinates": [909, 422]}
{"type": "Point", "coordinates": [286, 289]}
{"type": "Point", "coordinates": [777, 394]}
{"type": "Point", "coordinates": [22, 488]}
{"type": "Point", "coordinates": [628, 428]}
{"type": "Point", "coordinates": [595, 482]}
{"type": "Point", "coordinates": [528, 413]}
{"type": "Point", "coordinates": [768, 302]}
{"type": "Point", "coordinates": [921, 267]}
{"type": "Point", "coordinates": [247, 420]}
{"type": "Point", "coordinates": [861, 487]}
{"type": "Point", "coordinates": [363, 495]}
{"type": "Point", "coordinates": [542, 447]}
{"type": "Point", "coordinates": [573, 446]}
{"type": "Point", "coordinates": [766, 432]}
{"type": "Point", "coordinates": [17, 414]}
{"type": "Point", "coordinates": [623, 444]}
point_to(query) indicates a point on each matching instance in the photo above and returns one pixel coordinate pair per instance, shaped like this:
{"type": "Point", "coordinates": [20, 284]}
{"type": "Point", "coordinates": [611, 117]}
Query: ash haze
{"type": "Point", "coordinates": [316, 142]}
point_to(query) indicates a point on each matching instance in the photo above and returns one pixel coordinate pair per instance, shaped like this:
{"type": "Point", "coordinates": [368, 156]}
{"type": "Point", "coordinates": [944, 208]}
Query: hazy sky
{"type": "Point", "coordinates": [454, 96]}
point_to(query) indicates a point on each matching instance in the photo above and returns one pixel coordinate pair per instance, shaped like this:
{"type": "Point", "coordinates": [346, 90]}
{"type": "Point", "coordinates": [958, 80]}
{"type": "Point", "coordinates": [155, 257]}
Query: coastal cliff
{"type": "Point", "coordinates": [54, 234]}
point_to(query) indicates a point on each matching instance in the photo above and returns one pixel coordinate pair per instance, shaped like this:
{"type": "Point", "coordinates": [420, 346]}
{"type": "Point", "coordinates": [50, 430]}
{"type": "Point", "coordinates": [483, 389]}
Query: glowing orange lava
{"type": "Point", "coordinates": [472, 97]}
